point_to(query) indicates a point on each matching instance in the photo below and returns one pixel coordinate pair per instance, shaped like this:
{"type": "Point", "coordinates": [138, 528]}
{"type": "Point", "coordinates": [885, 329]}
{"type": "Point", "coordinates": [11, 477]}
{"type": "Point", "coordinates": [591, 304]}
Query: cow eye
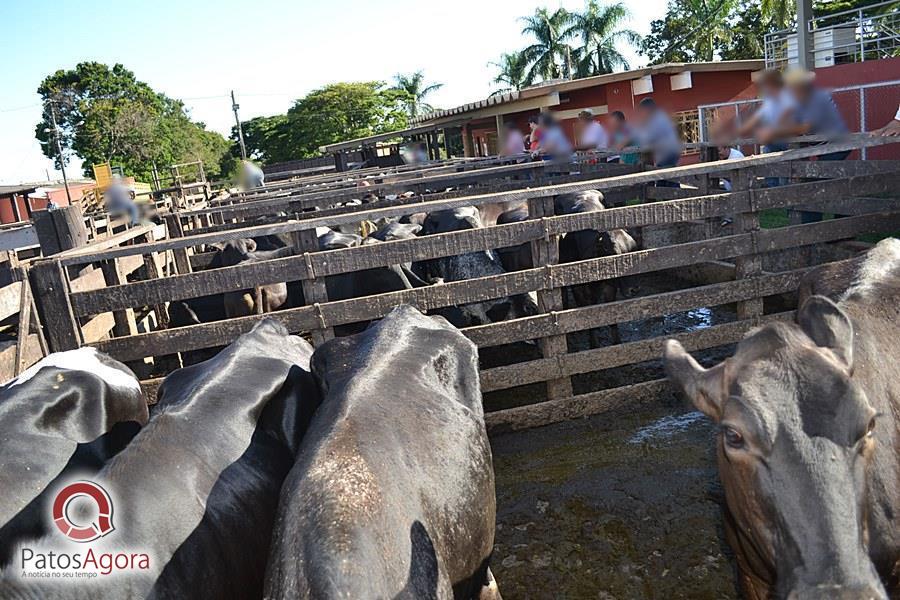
{"type": "Point", "coordinates": [733, 438]}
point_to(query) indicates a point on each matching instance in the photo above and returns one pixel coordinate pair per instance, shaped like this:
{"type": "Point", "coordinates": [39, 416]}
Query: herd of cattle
{"type": "Point", "coordinates": [363, 469]}
{"type": "Point", "coordinates": [574, 246]}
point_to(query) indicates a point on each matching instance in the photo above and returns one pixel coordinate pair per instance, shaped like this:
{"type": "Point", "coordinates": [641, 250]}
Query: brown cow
{"type": "Point", "coordinates": [808, 450]}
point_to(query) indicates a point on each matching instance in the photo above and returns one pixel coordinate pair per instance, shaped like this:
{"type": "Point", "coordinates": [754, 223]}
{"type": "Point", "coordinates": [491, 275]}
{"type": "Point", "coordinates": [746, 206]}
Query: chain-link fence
{"type": "Point", "coordinates": [864, 108]}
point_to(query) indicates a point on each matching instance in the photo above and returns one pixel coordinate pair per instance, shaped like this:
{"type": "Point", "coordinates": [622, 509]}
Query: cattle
{"type": "Point", "coordinates": [393, 493]}
{"type": "Point", "coordinates": [471, 265]}
{"type": "Point", "coordinates": [265, 298]}
{"type": "Point", "coordinates": [590, 243]}
{"type": "Point", "coordinates": [197, 488]}
{"type": "Point", "coordinates": [809, 413]}
{"type": "Point", "coordinates": [515, 258]}
{"type": "Point", "coordinates": [368, 282]}
{"type": "Point", "coordinates": [69, 412]}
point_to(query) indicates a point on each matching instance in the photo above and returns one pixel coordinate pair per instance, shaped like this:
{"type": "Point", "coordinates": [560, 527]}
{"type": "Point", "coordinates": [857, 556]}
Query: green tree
{"type": "Point", "coordinates": [600, 30]}
{"type": "Point", "coordinates": [512, 72]}
{"type": "Point", "coordinates": [549, 57]}
{"type": "Point", "coordinates": [778, 14]}
{"type": "Point", "coordinates": [692, 30]}
{"type": "Point", "coordinates": [344, 111]}
{"type": "Point", "coordinates": [266, 139]}
{"type": "Point", "coordinates": [106, 115]}
{"type": "Point", "coordinates": [414, 86]}
{"type": "Point", "coordinates": [748, 31]}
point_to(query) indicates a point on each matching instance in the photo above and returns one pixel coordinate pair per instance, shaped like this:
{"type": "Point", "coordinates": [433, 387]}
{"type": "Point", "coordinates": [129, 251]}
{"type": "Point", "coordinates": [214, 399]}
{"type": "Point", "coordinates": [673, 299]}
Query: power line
{"type": "Point", "coordinates": [9, 110]}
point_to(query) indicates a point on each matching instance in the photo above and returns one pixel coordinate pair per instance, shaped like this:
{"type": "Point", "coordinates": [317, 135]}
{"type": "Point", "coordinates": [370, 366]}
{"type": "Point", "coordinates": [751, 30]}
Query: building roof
{"type": "Point", "coordinates": [566, 85]}
{"type": "Point", "coordinates": [544, 94]}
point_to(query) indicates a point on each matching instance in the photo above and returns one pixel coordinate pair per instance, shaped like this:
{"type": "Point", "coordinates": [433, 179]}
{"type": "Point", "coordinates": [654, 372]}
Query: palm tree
{"type": "Point", "coordinates": [599, 30]}
{"type": "Point", "coordinates": [707, 25]}
{"type": "Point", "coordinates": [414, 85]}
{"type": "Point", "coordinates": [549, 56]}
{"type": "Point", "coordinates": [778, 14]}
{"type": "Point", "coordinates": [512, 72]}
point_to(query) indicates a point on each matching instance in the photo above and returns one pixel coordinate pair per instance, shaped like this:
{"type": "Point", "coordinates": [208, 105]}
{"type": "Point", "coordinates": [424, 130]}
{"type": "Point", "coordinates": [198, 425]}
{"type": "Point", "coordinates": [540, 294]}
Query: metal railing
{"type": "Point", "coordinates": [866, 33]}
{"type": "Point", "coordinates": [855, 103]}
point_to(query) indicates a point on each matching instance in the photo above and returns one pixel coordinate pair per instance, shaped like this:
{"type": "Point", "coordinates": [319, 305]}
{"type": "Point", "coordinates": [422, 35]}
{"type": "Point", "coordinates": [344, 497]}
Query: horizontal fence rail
{"type": "Point", "coordinates": [96, 290]}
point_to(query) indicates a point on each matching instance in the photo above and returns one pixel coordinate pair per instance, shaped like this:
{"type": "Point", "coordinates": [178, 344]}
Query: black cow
{"type": "Point", "coordinates": [515, 258]}
{"type": "Point", "coordinates": [269, 297]}
{"type": "Point", "coordinates": [469, 266]}
{"type": "Point", "coordinates": [197, 488]}
{"type": "Point", "coordinates": [590, 243]}
{"type": "Point", "coordinates": [68, 413]}
{"type": "Point", "coordinates": [393, 493]}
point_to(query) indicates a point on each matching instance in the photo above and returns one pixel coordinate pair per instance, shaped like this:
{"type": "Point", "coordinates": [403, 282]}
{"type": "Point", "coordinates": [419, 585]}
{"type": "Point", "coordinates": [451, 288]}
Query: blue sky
{"type": "Point", "coordinates": [269, 52]}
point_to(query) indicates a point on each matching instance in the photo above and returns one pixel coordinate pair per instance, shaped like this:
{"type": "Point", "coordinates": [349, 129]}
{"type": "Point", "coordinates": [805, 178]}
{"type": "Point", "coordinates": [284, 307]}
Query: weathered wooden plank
{"type": "Point", "coordinates": [10, 356]}
{"type": "Point", "coordinates": [617, 218]}
{"type": "Point", "coordinates": [574, 407]}
{"type": "Point", "coordinates": [10, 297]}
{"type": "Point", "coordinates": [621, 311]}
{"type": "Point", "coordinates": [500, 286]}
{"type": "Point", "coordinates": [676, 173]}
{"type": "Point", "coordinates": [616, 356]}
{"type": "Point", "coordinates": [314, 290]}
{"type": "Point", "coordinates": [750, 264]}
{"type": "Point", "coordinates": [545, 252]}
{"type": "Point", "coordinates": [48, 284]}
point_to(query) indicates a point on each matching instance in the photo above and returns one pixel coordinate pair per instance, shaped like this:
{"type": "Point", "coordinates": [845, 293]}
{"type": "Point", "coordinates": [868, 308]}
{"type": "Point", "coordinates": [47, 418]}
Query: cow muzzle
{"type": "Point", "coordinates": [839, 592]}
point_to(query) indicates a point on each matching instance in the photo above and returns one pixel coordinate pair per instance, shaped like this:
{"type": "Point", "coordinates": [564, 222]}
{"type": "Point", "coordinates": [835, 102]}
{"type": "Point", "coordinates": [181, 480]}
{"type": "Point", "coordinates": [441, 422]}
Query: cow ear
{"type": "Point", "coordinates": [251, 245]}
{"type": "Point", "coordinates": [704, 387]}
{"type": "Point", "coordinates": [828, 326]}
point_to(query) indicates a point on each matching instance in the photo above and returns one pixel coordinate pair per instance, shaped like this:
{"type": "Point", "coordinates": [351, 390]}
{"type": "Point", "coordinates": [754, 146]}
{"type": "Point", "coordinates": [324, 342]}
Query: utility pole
{"type": "Point", "coordinates": [804, 14]}
{"type": "Point", "coordinates": [237, 120]}
{"type": "Point", "coordinates": [62, 162]}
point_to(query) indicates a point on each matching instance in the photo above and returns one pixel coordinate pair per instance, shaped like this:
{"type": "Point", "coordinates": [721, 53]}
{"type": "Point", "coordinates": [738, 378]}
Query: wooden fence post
{"type": "Point", "coordinates": [314, 290]}
{"type": "Point", "coordinates": [748, 265]}
{"type": "Point", "coordinates": [60, 229]}
{"type": "Point", "coordinates": [125, 320]}
{"type": "Point", "coordinates": [175, 230]}
{"type": "Point", "coordinates": [51, 291]}
{"type": "Point", "coordinates": [546, 252]}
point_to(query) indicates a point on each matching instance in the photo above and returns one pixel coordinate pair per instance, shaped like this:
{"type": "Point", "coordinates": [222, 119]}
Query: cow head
{"type": "Point", "coordinates": [796, 437]}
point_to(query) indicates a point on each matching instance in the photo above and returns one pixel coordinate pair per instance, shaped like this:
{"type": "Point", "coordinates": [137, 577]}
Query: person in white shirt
{"type": "Point", "coordinates": [591, 134]}
{"type": "Point", "coordinates": [776, 110]}
{"type": "Point", "coordinates": [727, 153]}
{"type": "Point", "coordinates": [513, 140]}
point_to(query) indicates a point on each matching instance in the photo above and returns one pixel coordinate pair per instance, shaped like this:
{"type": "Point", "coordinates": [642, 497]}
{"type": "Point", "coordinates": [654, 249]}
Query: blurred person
{"type": "Point", "coordinates": [513, 140]}
{"type": "Point", "coordinates": [251, 176]}
{"type": "Point", "coordinates": [892, 128]}
{"type": "Point", "coordinates": [621, 136]}
{"type": "Point", "coordinates": [775, 112]}
{"type": "Point", "coordinates": [119, 200]}
{"type": "Point", "coordinates": [815, 113]}
{"type": "Point", "coordinates": [553, 143]}
{"type": "Point", "coordinates": [591, 134]}
{"type": "Point", "coordinates": [656, 131]}
{"type": "Point", "coordinates": [728, 153]}
{"type": "Point", "coordinates": [534, 138]}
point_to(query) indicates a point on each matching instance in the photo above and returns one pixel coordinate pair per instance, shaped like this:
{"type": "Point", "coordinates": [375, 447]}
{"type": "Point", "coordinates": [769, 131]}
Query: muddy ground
{"type": "Point", "coordinates": [621, 505]}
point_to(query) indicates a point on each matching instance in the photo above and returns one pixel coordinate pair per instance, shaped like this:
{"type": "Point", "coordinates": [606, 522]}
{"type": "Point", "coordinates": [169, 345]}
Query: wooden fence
{"type": "Point", "coordinates": [680, 233]}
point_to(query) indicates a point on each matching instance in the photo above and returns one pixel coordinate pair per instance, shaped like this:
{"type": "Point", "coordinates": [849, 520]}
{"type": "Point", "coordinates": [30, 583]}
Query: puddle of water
{"type": "Point", "coordinates": [585, 512]}
{"type": "Point", "coordinates": [666, 427]}
{"type": "Point", "coordinates": [703, 317]}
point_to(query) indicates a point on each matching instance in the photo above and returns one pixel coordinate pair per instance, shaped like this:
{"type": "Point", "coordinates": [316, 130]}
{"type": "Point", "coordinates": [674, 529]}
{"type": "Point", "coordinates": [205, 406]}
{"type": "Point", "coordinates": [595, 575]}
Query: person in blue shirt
{"type": "Point", "coordinates": [656, 132]}
{"type": "Point", "coordinates": [815, 113]}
